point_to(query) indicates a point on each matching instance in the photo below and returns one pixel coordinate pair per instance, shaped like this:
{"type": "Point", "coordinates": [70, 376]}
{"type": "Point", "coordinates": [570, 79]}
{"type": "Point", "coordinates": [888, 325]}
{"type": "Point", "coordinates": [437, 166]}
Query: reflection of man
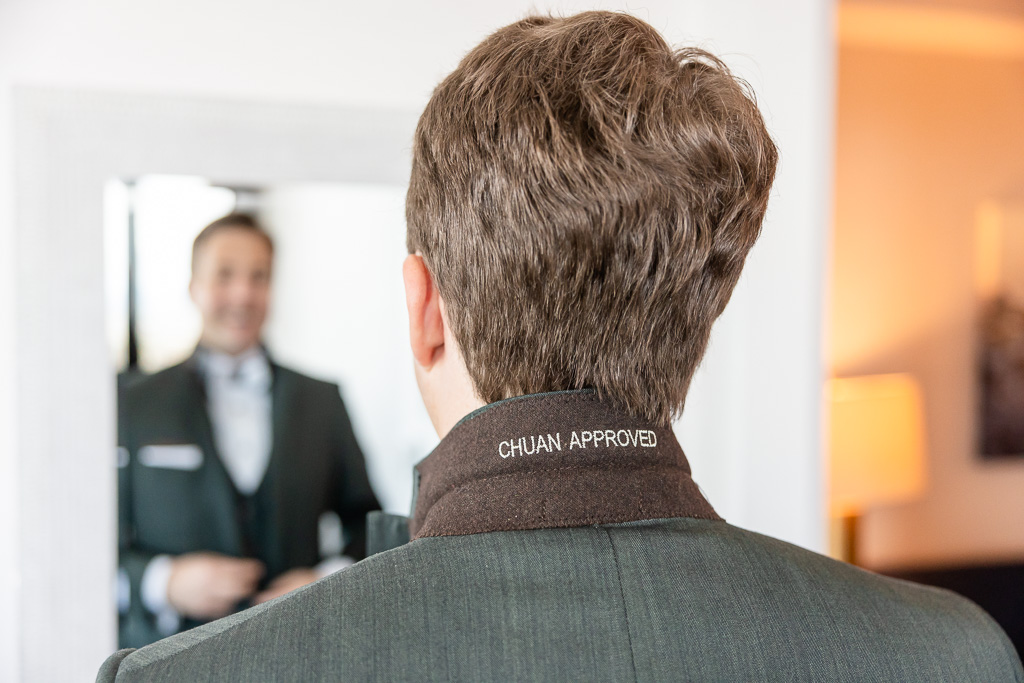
{"type": "Point", "coordinates": [581, 202]}
{"type": "Point", "coordinates": [229, 460]}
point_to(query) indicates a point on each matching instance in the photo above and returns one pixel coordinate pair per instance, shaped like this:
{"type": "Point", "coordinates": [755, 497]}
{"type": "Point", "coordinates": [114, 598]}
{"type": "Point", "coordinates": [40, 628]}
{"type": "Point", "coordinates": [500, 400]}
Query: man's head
{"type": "Point", "coordinates": [231, 263]}
{"type": "Point", "coordinates": [583, 198]}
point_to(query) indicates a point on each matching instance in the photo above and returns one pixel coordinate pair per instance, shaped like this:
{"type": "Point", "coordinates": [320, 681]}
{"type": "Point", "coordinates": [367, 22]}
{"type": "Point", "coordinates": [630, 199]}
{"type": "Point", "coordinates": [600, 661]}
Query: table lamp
{"type": "Point", "coordinates": [876, 447]}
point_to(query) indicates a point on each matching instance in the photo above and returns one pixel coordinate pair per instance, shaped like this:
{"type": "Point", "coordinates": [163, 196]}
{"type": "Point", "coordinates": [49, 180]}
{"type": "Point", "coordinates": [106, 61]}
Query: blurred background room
{"type": "Point", "coordinates": [870, 365]}
{"type": "Point", "coordinates": [927, 286]}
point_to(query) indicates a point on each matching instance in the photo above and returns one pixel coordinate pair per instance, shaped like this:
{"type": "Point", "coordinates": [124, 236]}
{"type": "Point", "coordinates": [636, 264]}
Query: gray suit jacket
{"type": "Point", "coordinates": [554, 539]}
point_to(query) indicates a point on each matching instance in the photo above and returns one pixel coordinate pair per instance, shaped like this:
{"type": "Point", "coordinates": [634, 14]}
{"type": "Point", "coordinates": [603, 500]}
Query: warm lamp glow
{"type": "Point", "coordinates": [988, 250]}
{"type": "Point", "coordinates": [876, 442]}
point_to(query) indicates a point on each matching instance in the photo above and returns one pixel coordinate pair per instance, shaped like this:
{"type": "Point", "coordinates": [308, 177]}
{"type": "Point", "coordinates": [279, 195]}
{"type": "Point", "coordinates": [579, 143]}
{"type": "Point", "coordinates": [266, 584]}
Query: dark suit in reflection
{"type": "Point", "coordinates": [176, 496]}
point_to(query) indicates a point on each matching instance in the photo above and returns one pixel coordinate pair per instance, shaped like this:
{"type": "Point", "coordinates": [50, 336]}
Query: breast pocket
{"type": "Point", "coordinates": [168, 498]}
{"type": "Point", "coordinates": [186, 457]}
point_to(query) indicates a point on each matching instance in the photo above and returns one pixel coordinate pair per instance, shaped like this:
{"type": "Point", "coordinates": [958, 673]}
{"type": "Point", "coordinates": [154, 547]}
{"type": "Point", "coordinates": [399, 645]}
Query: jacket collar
{"type": "Point", "coordinates": [552, 460]}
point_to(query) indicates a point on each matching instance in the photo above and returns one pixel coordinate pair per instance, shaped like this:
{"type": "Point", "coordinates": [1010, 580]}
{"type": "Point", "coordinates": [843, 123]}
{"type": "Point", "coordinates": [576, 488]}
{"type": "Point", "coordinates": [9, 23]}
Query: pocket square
{"type": "Point", "coordinates": [186, 456]}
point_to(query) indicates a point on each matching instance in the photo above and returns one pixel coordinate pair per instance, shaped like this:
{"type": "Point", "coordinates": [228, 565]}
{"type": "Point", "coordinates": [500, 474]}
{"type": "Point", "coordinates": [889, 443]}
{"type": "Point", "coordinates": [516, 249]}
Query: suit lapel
{"type": "Point", "coordinates": [273, 489]}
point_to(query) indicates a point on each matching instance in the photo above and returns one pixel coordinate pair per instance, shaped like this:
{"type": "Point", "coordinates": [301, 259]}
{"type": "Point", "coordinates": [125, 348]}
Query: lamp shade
{"type": "Point", "coordinates": [876, 442]}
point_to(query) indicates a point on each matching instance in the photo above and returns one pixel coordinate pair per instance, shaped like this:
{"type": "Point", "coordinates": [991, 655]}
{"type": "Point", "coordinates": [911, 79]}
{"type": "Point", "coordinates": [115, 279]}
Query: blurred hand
{"type": "Point", "coordinates": [209, 585]}
{"type": "Point", "coordinates": [287, 582]}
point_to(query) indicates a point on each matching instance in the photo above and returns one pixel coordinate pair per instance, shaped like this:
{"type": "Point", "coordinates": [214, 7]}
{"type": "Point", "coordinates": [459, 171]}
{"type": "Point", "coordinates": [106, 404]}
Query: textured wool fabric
{"type": "Point", "coordinates": [670, 599]}
{"type": "Point", "coordinates": [660, 600]}
{"type": "Point", "coordinates": [554, 460]}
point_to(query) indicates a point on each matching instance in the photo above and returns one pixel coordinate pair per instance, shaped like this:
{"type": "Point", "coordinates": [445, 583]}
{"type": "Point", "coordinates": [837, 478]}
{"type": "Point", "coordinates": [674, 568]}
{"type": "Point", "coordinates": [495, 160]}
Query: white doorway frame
{"type": "Point", "coordinates": [67, 145]}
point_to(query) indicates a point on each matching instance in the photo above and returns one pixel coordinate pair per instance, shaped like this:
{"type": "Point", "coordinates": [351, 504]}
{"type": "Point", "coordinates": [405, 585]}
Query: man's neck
{"type": "Point", "coordinates": [253, 349]}
{"type": "Point", "coordinates": [453, 411]}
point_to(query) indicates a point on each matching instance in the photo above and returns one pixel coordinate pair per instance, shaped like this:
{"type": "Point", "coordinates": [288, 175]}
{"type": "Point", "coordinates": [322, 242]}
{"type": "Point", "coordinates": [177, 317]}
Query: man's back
{"type": "Point", "coordinates": [669, 599]}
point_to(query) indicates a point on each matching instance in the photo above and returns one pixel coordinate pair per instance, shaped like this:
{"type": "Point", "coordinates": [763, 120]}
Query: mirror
{"type": "Point", "coordinates": [336, 313]}
{"type": "Point", "coordinates": [337, 308]}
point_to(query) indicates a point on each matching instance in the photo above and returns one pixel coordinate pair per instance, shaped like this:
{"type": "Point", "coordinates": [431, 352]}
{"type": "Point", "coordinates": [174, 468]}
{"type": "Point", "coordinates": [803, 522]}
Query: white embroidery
{"type": "Point", "coordinates": [529, 445]}
{"type": "Point", "coordinates": [584, 438]}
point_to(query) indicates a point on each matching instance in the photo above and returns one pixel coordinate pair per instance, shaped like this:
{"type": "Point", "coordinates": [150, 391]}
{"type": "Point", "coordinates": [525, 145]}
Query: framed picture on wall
{"type": "Point", "coordinates": [999, 276]}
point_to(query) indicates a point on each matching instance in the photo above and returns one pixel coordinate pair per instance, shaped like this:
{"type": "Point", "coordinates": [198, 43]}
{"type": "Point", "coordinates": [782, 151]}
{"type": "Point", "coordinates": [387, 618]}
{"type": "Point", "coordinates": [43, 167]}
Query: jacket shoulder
{"type": "Point", "coordinates": [108, 672]}
{"type": "Point", "coordinates": [885, 614]}
{"type": "Point", "coordinates": [266, 642]}
{"type": "Point", "coordinates": [360, 621]}
{"type": "Point", "coordinates": [157, 383]}
{"type": "Point", "coordinates": [304, 382]}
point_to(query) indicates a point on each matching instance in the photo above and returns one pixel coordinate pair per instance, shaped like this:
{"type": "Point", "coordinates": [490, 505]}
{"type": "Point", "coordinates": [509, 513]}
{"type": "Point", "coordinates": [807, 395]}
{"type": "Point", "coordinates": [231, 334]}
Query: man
{"type": "Point", "coordinates": [581, 202]}
{"type": "Point", "coordinates": [228, 460]}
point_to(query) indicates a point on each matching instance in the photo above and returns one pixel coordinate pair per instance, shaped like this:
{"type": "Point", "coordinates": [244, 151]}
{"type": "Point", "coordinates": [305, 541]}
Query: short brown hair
{"type": "Point", "coordinates": [585, 197]}
{"type": "Point", "coordinates": [232, 221]}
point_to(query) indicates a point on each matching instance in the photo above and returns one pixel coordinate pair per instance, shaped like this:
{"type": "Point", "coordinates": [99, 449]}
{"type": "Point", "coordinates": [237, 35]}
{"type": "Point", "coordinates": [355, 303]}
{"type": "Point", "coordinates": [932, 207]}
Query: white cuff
{"type": "Point", "coordinates": [333, 564]}
{"type": "Point", "coordinates": [154, 594]}
{"type": "Point", "coordinates": [124, 591]}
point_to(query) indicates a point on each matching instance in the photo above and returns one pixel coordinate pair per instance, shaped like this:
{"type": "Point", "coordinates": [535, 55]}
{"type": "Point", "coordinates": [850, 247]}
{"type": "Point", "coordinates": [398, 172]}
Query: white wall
{"type": "Point", "coordinates": [752, 428]}
{"type": "Point", "coordinates": [338, 313]}
{"type": "Point", "coordinates": [10, 668]}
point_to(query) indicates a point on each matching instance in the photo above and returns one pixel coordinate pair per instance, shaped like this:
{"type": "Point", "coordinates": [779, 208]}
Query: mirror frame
{"type": "Point", "coordinates": [67, 144]}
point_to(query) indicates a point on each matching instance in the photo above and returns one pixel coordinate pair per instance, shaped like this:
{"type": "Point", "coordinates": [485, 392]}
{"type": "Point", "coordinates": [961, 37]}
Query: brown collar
{"type": "Point", "coordinates": [562, 459]}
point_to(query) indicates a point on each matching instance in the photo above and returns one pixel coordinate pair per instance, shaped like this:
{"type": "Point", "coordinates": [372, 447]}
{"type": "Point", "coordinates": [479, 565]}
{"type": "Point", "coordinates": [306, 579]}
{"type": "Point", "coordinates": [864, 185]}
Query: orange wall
{"type": "Point", "coordinates": [922, 140]}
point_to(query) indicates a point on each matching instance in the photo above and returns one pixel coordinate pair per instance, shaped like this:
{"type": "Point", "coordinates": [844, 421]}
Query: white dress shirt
{"type": "Point", "coordinates": [241, 413]}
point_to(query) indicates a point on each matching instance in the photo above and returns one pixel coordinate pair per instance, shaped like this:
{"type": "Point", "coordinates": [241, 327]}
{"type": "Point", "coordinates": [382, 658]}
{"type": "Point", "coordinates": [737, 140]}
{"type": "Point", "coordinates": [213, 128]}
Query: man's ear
{"type": "Point", "coordinates": [423, 301]}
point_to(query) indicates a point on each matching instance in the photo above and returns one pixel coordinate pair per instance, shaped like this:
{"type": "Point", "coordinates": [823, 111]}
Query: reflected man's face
{"type": "Point", "coordinates": [231, 288]}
